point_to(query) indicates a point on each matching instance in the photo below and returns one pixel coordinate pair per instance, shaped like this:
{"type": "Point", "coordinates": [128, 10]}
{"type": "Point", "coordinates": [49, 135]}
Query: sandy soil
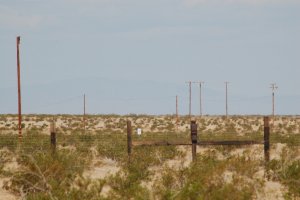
{"type": "Point", "coordinates": [102, 168]}
{"type": "Point", "coordinates": [5, 195]}
{"type": "Point", "coordinates": [241, 124]}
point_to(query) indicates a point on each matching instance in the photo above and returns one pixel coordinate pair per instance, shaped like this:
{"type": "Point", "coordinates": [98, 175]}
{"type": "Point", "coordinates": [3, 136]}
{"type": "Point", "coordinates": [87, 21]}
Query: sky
{"type": "Point", "coordinates": [135, 56]}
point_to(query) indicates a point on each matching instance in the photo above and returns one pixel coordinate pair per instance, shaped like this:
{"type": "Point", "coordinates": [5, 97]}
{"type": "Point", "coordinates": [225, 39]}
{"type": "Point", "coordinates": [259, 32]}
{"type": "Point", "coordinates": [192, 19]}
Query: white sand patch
{"type": "Point", "coordinates": [105, 191]}
{"type": "Point", "coordinates": [102, 168]}
{"type": "Point", "coordinates": [211, 127]}
{"type": "Point", "coordinates": [11, 166]}
{"type": "Point", "coordinates": [273, 190]}
{"type": "Point", "coordinates": [4, 194]}
{"type": "Point", "coordinates": [187, 150]}
{"type": "Point", "coordinates": [275, 153]}
{"type": "Point", "coordinates": [228, 176]}
{"type": "Point", "coordinates": [71, 148]}
{"type": "Point", "coordinates": [100, 125]}
{"type": "Point", "coordinates": [59, 122]}
{"type": "Point", "coordinates": [260, 174]}
{"type": "Point", "coordinates": [255, 128]}
{"type": "Point", "coordinates": [278, 122]}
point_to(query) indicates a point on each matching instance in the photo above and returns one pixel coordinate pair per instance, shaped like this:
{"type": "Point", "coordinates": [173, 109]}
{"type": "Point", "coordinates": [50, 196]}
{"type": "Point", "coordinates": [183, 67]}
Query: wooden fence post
{"type": "Point", "coordinates": [129, 140]}
{"type": "Point", "coordinates": [53, 136]}
{"type": "Point", "coordinates": [267, 139]}
{"type": "Point", "coordinates": [194, 139]}
{"type": "Point", "coordinates": [267, 145]}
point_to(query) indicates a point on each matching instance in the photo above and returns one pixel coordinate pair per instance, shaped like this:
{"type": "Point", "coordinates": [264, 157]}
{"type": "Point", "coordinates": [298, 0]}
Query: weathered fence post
{"type": "Point", "coordinates": [267, 139]}
{"type": "Point", "coordinates": [129, 140]}
{"type": "Point", "coordinates": [53, 136]}
{"type": "Point", "coordinates": [194, 139]}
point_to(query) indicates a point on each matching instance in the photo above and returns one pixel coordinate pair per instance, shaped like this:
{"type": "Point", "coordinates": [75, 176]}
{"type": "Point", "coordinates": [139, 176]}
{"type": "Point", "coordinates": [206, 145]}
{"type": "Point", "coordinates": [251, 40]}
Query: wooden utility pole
{"type": "Point", "coordinates": [190, 98]}
{"type": "Point", "coordinates": [84, 119]}
{"type": "Point", "coordinates": [177, 117]}
{"type": "Point", "coordinates": [19, 88]}
{"type": "Point", "coordinates": [273, 87]}
{"type": "Point", "coordinates": [226, 88]}
{"type": "Point", "coordinates": [200, 96]}
{"type": "Point", "coordinates": [200, 87]}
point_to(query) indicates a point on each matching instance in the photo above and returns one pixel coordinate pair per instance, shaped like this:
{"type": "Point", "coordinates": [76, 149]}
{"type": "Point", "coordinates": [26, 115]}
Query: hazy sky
{"type": "Point", "coordinates": [134, 56]}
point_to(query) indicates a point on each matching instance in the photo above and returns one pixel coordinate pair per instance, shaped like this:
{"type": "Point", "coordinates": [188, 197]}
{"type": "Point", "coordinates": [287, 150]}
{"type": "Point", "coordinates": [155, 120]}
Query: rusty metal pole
{"type": "Point", "coordinates": [194, 139]}
{"type": "Point", "coordinates": [19, 89]}
{"type": "Point", "coordinates": [177, 118]}
{"type": "Point", "coordinates": [129, 139]}
{"type": "Point", "coordinates": [267, 138]}
{"type": "Point", "coordinates": [200, 96]}
{"type": "Point", "coordinates": [84, 118]}
{"type": "Point", "coordinates": [190, 104]}
{"type": "Point", "coordinates": [53, 136]}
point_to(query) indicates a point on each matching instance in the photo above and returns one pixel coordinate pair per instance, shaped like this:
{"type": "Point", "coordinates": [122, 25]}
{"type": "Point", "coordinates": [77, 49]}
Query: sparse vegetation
{"type": "Point", "coordinates": [153, 172]}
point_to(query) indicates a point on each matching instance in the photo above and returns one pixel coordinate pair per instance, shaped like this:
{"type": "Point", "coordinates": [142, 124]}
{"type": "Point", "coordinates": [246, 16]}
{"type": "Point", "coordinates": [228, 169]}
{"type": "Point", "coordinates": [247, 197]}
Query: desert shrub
{"type": "Point", "coordinates": [43, 175]}
{"type": "Point", "coordinates": [5, 156]}
{"type": "Point", "coordinates": [287, 171]}
{"type": "Point", "coordinates": [204, 180]}
{"type": "Point", "coordinates": [9, 141]}
{"type": "Point", "coordinates": [291, 177]}
{"type": "Point", "coordinates": [113, 146]}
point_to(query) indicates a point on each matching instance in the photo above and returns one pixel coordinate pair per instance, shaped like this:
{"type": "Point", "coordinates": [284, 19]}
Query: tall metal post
{"type": "Point", "coordinates": [177, 117]}
{"type": "Point", "coordinates": [190, 99]}
{"type": "Point", "coordinates": [19, 89]}
{"type": "Point", "coordinates": [84, 117]}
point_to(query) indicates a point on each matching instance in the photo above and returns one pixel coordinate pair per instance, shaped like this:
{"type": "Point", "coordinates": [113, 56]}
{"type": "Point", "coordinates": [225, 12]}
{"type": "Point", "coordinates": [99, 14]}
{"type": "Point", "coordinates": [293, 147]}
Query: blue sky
{"type": "Point", "coordinates": [134, 56]}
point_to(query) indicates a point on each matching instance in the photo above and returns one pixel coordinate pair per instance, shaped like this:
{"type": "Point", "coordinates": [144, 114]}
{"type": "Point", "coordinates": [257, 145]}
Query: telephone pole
{"type": "Point", "coordinates": [177, 118]}
{"type": "Point", "coordinates": [19, 88]}
{"type": "Point", "coordinates": [273, 87]}
{"type": "Point", "coordinates": [200, 95]}
{"type": "Point", "coordinates": [226, 88]}
{"type": "Point", "coordinates": [84, 112]}
{"type": "Point", "coordinates": [176, 109]}
{"type": "Point", "coordinates": [190, 98]}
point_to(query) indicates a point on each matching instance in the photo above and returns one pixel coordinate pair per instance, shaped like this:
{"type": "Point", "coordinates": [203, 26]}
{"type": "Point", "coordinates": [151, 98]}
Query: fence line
{"type": "Point", "coordinates": [194, 140]}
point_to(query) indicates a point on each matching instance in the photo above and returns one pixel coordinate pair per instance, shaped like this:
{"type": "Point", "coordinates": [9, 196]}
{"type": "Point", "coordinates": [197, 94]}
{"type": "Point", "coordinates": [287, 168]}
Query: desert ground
{"type": "Point", "coordinates": [90, 160]}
